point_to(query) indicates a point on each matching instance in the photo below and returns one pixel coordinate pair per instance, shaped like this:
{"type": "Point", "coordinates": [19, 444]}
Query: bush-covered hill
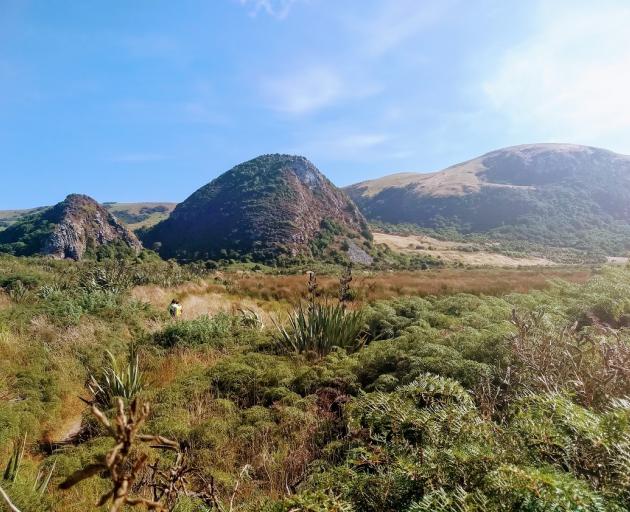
{"type": "Point", "coordinates": [556, 195]}
{"type": "Point", "coordinates": [69, 229]}
{"type": "Point", "coordinates": [442, 403]}
{"type": "Point", "coordinates": [274, 206]}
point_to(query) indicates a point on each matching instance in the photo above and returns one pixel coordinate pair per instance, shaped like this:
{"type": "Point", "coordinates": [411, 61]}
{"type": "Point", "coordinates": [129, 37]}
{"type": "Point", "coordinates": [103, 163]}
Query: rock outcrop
{"type": "Point", "coordinates": [67, 230]}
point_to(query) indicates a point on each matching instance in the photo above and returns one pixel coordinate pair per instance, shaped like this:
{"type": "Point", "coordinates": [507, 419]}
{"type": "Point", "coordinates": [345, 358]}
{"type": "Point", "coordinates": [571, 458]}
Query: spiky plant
{"type": "Point", "coordinates": [317, 328]}
{"type": "Point", "coordinates": [117, 381]}
{"type": "Point", "coordinates": [15, 461]}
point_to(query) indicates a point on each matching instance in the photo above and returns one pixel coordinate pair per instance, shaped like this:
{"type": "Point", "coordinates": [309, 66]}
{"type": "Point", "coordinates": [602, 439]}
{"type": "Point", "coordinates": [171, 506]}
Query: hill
{"type": "Point", "coordinates": [558, 195]}
{"type": "Point", "coordinates": [70, 229]}
{"type": "Point", "coordinates": [274, 206]}
{"type": "Point", "coordinates": [140, 215]}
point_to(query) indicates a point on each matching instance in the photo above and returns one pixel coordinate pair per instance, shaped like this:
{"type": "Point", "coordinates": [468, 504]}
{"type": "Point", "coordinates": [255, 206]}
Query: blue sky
{"type": "Point", "coordinates": [150, 99]}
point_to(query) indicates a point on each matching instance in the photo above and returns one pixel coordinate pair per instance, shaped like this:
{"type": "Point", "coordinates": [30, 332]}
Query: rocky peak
{"type": "Point", "coordinates": [270, 206]}
{"type": "Point", "coordinates": [66, 230]}
{"type": "Point", "coordinates": [81, 223]}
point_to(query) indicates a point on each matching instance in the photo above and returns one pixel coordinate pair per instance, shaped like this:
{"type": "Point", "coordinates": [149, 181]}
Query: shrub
{"type": "Point", "coordinates": [214, 331]}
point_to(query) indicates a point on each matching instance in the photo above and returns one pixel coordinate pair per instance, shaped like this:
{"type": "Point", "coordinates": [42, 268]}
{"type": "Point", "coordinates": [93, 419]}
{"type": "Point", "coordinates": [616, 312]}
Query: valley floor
{"type": "Point", "coordinates": [455, 252]}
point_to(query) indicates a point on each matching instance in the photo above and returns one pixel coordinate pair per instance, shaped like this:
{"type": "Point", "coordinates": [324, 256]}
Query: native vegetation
{"type": "Point", "coordinates": [324, 396]}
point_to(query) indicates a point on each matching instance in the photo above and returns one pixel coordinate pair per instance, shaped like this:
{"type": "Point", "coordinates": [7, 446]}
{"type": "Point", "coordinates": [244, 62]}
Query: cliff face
{"type": "Point", "coordinates": [67, 230]}
{"type": "Point", "coordinates": [270, 206]}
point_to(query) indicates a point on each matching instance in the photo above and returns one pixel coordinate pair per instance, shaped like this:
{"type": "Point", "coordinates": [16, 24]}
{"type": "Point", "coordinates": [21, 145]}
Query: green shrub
{"type": "Point", "coordinates": [214, 331]}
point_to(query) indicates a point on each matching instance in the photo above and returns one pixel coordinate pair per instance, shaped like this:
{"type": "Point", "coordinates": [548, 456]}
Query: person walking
{"type": "Point", "coordinates": [175, 309]}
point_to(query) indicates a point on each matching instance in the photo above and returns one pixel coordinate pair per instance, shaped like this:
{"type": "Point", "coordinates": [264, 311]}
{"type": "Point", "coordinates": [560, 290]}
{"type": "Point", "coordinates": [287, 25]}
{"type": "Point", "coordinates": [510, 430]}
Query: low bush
{"type": "Point", "coordinates": [215, 331]}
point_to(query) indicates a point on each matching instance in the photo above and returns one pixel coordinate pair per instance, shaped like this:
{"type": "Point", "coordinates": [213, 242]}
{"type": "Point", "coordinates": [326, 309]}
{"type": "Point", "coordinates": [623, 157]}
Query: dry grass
{"type": "Point", "coordinates": [454, 252]}
{"type": "Point", "coordinates": [5, 300]}
{"type": "Point", "coordinates": [271, 296]}
{"type": "Point", "coordinates": [375, 286]}
{"type": "Point", "coordinates": [209, 298]}
{"type": "Point", "coordinates": [165, 369]}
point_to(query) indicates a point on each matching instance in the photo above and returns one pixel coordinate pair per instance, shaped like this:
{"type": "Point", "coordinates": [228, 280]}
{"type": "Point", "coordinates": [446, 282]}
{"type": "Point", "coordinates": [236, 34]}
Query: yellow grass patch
{"type": "Point", "coordinates": [454, 252]}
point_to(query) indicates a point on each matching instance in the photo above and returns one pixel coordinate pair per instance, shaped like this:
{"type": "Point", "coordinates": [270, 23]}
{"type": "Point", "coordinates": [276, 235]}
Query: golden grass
{"type": "Point", "coordinates": [454, 252]}
{"type": "Point", "coordinates": [376, 286]}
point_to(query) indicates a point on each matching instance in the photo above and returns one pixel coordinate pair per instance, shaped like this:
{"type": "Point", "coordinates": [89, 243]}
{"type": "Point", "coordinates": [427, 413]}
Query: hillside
{"type": "Point", "coordinates": [8, 217]}
{"type": "Point", "coordinates": [140, 215]}
{"type": "Point", "coordinates": [269, 207]}
{"type": "Point", "coordinates": [67, 230]}
{"type": "Point", "coordinates": [551, 194]}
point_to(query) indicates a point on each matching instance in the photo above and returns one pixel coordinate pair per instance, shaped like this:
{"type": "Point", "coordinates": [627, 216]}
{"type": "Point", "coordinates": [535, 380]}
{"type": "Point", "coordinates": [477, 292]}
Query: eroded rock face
{"type": "Point", "coordinates": [67, 230]}
{"type": "Point", "coordinates": [82, 223]}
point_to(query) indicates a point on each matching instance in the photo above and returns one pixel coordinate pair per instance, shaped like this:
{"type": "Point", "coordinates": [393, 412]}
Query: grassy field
{"type": "Point", "coordinates": [456, 252]}
{"type": "Point", "coordinates": [140, 215]}
{"type": "Point", "coordinates": [279, 425]}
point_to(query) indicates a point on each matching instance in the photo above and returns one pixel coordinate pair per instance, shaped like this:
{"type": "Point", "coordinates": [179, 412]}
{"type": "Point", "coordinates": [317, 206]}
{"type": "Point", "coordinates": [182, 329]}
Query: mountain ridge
{"type": "Point", "coordinates": [562, 195]}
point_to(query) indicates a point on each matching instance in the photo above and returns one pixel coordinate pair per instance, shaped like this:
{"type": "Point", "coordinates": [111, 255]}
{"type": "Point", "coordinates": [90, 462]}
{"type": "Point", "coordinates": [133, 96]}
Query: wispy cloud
{"type": "Point", "coordinates": [394, 22]}
{"type": "Point", "coordinates": [304, 90]}
{"type": "Point", "coordinates": [571, 77]}
{"type": "Point", "coordinates": [352, 71]}
{"type": "Point", "coordinates": [307, 89]}
{"type": "Point", "coordinates": [276, 8]}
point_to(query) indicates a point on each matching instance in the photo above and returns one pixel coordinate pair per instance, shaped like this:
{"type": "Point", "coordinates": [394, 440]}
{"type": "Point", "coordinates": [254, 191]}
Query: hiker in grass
{"type": "Point", "coordinates": [175, 309]}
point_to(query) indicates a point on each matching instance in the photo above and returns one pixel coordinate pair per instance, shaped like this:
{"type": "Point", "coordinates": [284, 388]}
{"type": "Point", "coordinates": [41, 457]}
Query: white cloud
{"type": "Point", "coordinates": [571, 78]}
{"type": "Point", "coordinates": [394, 22]}
{"type": "Point", "coordinates": [350, 72]}
{"type": "Point", "coordinates": [277, 8]}
{"type": "Point", "coordinates": [308, 89]}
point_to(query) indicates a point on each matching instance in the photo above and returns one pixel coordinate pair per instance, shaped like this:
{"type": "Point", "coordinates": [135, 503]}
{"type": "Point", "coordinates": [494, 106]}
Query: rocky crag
{"type": "Point", "coordinates": [71, 229]}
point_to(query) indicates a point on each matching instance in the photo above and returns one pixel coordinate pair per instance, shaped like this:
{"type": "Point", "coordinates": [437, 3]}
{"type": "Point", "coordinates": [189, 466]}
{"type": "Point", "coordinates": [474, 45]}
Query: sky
{"type": "Point", "coordinates": [149, 100]}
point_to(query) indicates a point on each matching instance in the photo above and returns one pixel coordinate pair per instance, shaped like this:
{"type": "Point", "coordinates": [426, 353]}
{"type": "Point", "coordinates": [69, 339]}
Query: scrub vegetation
{"type": "Point", "coordinates": [312, 393]}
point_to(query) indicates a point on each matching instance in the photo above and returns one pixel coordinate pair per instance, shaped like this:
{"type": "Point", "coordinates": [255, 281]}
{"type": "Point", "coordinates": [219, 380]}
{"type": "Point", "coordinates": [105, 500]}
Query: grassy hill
{"type": "Point", "coordinates": [8, 217]}
{"type": "Point", "coordinates": [557, 195]}
{"type": "Point", "coordinates": [140, 215]}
